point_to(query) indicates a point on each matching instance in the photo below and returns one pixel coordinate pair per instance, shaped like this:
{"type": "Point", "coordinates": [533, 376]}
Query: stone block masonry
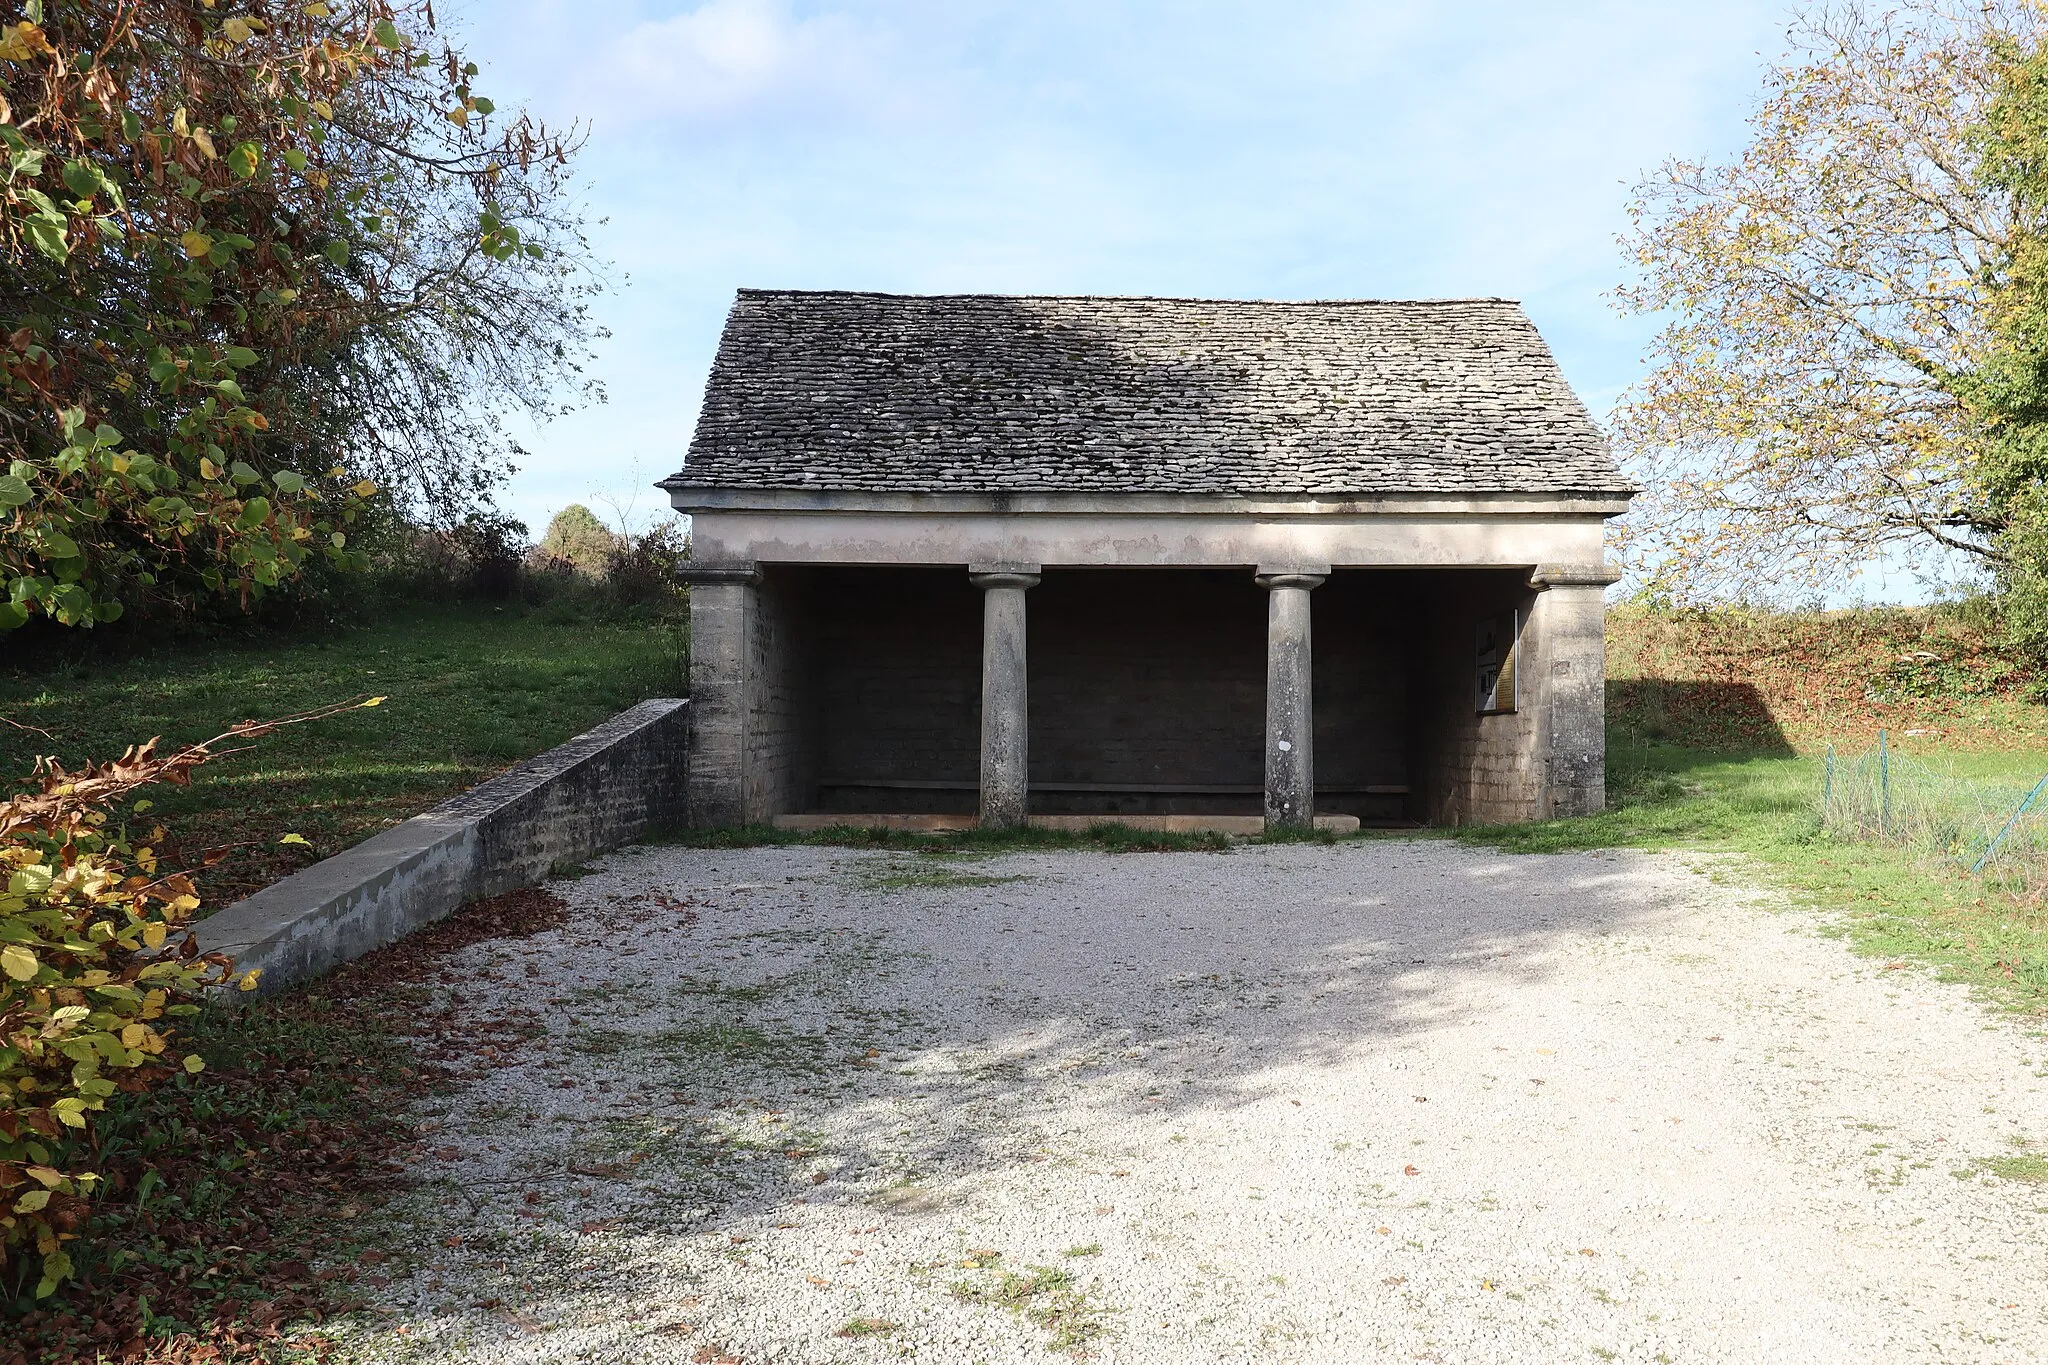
{"type": "Point", "coordinates": [601, 789]}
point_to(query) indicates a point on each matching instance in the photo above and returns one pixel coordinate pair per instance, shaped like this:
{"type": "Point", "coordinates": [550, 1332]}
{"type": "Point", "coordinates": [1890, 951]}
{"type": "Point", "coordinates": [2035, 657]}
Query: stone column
{"type": "Point", "coordinates": [1569, 622]}
{"type": "Point", "coordinates": [1005, 708]}
{"type": "Point", "coordinates": [1290, 701]}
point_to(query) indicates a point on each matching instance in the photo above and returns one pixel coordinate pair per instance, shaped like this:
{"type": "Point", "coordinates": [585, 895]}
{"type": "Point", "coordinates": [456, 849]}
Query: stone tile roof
{"type": "Point", "coordinates": [980, 393]}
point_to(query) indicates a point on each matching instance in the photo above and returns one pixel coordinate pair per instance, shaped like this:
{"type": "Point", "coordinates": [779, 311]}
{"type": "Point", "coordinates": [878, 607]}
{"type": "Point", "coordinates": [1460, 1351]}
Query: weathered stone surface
{"type": "Point", "coordinates": [980, 393]}
{"type": "Point", "coordinates": [1005, 699]}
{"type": "Point", "coordinates": [596, 792]}
{"type": "Point", "coordinates": [1290, 706]}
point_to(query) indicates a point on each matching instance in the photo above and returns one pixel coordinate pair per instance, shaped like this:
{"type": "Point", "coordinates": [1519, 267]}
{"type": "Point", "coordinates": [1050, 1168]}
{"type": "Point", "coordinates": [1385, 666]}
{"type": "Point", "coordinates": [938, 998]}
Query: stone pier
{"type": "Point", "coordinates": [1290, 701]}
{"type": "Point", "coordinates": [1005, 697]}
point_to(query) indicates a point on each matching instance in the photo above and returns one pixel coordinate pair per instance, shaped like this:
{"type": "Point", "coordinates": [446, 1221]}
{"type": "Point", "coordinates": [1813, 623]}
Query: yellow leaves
{"type": "Point", "coordinates": [33, 1201]}
{"type": "Point", "coordinates": [364, 488]}
{"type": "Point", "coordinates": [194, 1064]}
{"type": "Point", "coordinates": [295, 840]}
{"type": "Point", "coordinates": [249, 979]}
{"type": "Point", "coordinates": [19, 963]}
{"type": "Point", "coordinates": [204, 141]}
{"type": "Point", "coordinates": [24, 42]}
{"type": "Point", "coordinates": [135, 1037]}
{"type": "Point", "coordinates": [459, 116]}
{"type": "Point", "coordinates": [183, 905]}
{"type": "Point", "coordinates": [153, 934]}
{"type": "Point", "coordinates": [45, 1176]}
{"type": "Point", "coordinates": [316, 10]}
{"type": "Point", "coordinates": [376, 701]}
{"type": "Point", "coordinates": [208, 469]}
{"type": "Point", "coordinates": [197, 244]}
{"type": "Point", "coordinates": [240, 29]}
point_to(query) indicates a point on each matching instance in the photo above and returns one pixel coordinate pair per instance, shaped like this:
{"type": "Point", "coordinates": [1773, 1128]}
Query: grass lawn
{"type": "Point", "coordinates": [472, 690]}
{"type": "Point", "coordinates": [1764, 809]}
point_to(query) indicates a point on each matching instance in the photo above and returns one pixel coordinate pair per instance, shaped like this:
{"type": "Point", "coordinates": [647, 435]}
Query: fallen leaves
{"type": "Point", "coordinates": [1410, 1170]}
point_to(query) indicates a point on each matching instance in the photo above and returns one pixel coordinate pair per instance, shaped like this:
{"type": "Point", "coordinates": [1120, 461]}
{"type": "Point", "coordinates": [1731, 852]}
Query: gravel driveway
{"type": "Point", "coordinates": [1380, 1101]}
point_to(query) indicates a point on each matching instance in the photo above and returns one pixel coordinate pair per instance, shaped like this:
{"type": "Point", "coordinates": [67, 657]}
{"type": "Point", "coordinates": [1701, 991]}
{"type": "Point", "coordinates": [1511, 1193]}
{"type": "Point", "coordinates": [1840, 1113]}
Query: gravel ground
{"type": "Point", "coordinates": [1386, 1100]}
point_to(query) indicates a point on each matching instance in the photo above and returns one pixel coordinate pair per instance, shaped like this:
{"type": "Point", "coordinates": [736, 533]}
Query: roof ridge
{"type": "Point", "coordinates": [1120, 298]}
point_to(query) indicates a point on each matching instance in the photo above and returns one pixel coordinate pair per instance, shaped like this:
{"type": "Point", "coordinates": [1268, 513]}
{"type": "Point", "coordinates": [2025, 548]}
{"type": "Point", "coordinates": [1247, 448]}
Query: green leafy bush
{"type": "Point", "coordinates": [96, 962]}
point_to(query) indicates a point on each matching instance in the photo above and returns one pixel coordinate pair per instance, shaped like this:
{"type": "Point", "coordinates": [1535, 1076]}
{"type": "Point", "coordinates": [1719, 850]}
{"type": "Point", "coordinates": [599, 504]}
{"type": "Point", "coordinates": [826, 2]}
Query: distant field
{"type": "Point", "coordinates": [471, 691]}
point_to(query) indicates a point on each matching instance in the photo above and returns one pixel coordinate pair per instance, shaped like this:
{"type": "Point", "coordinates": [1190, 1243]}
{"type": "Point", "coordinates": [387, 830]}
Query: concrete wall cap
{"type": "Point", "coordinates": [719, 573]}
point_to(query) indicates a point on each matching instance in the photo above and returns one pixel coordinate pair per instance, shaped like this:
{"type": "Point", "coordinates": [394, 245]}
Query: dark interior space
{"type": "Point", "coordinates": [897, 686]}
{"type": "Point", "coordinates": [1148, 692]}
{"type": "Point", "coordinates": [1147, 688]}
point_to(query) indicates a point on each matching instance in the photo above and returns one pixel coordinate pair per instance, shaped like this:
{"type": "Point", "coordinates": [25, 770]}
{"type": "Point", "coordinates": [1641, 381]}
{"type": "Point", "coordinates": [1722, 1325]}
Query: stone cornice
{"type": "Point", "coordinates": [685, 498]}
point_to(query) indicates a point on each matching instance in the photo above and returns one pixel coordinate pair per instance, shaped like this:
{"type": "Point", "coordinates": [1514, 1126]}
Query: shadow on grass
{"type": "Point", "coordinates": [1664, 796]}
{"type": "Point", "coordinates": [1888, 901]}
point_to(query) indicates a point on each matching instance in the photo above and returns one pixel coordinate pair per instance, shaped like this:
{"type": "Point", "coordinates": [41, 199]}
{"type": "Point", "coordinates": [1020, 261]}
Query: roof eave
{"type": "Point", "coordinates": [688, 497]}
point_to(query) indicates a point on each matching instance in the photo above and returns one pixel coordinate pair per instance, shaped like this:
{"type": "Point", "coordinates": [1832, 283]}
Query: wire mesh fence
{"type": "Point", "coordinates": [1986, 827]}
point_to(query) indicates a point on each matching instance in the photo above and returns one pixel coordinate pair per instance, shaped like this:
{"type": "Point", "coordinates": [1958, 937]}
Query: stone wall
{"type": "Point", "coordinates": [601, 789]}
{"type": "Point", "coordinates": [1481, 769]}
{"type": "Point", "coordinates": [781, 720]}
{"type": "Point", "coordinates": [1147, 678]}
{"type": "Point", "coordinates": [1370, 677]}
{"type": "Point", "coordinates": [898, 688]}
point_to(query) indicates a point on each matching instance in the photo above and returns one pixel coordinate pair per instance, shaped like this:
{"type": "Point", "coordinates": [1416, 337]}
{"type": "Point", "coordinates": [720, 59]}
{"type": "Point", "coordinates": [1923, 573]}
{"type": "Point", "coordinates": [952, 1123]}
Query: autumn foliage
{"type": "Point", "coordinates": [96, 962]}
{"type": "Point", "coordinates": [252, 254]}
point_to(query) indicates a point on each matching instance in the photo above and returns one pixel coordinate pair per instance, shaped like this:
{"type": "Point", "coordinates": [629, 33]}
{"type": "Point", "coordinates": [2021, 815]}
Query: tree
{"type": "Point", "coordinates": [576, 536]}
{"type": "Point", "coordinates": [252, 258]}
{"type": "Point", "coordinates": [1836, 295]}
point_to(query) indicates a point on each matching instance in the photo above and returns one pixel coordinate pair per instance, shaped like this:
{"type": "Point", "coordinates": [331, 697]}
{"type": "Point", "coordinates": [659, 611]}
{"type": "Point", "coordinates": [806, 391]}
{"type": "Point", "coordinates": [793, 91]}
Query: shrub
{"type": "Point", "coordinates": [641, 570]}
{"type": "Point", "coordinates": [96, 959]}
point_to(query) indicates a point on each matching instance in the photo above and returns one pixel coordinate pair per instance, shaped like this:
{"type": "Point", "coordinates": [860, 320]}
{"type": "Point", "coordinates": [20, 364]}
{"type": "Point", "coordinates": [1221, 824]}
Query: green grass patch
{"type": "Point", "coordinates": [472, 690]}
{"type": "Point", "coordinates": [1047, 1296]}
{"type": "Point", "coordinates": [1893, 902]}
{"type": "Point", "coordinates": [2028, 1168]}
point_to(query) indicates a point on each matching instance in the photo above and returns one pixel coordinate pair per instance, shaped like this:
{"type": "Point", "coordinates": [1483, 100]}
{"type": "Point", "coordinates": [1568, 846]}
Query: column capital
{"type": "Point", "coordinates": [1573, 576]}
{"type": "Point", "coordinates": [1003, 576]}
{"type": "Point", "coordinates": [1290, 578]}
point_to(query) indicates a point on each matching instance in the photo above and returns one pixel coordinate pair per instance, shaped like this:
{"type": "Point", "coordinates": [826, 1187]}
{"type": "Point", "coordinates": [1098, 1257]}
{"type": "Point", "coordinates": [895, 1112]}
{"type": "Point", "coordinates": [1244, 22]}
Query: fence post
{"type": "Point", "coordinates": [1884, 782]}
{"type": "Point", "coordinates": [2006, 829]}
{"type": "Point", "coordinates": [1827, 789]}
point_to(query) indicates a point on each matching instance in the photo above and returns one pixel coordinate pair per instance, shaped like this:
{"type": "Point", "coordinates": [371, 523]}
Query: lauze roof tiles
{"type": "Point", "coordinates": [984, 393]}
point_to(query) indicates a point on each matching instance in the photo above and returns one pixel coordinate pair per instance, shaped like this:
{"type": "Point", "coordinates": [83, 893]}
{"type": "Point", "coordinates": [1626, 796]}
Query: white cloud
{"type": "Point", "coordinates": [740, 60]}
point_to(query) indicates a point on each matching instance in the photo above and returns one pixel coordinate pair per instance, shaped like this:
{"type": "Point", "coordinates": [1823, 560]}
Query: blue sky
{"type": "Point", "coordinates": [1274, 150]}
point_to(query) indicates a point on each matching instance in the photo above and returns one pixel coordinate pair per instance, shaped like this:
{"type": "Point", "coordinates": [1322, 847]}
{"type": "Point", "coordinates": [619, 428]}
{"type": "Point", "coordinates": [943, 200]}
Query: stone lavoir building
{"type": "Point", "coordinates": [989, 557]}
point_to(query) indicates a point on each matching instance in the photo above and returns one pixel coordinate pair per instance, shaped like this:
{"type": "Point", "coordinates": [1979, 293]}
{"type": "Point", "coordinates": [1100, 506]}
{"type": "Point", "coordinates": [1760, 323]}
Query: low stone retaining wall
{"type": "Point", "coordinates": [598, 791]}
